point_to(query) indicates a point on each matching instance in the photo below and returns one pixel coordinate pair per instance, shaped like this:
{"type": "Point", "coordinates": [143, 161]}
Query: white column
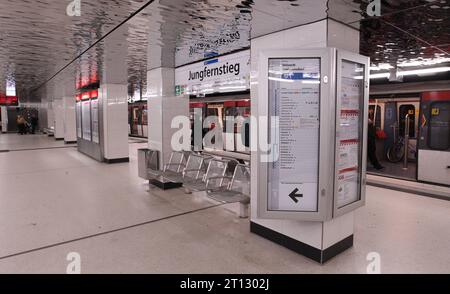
{"type": "Point", "coordinates": [163, 106]}
{"type": "Point", "coordinates": [318, 235]}
{"type": "Point", "coordinates": [113, 98]}
{"type": "Point", "coordinates": [50, 115]}
{"type": "Point", "coordinates": [4, 115]}
{"type": "Point", "coordinates": [43, 114]}
{"type": "Point", "coordinates": [58, 115]}
{"type": "Point", "coordinates": [69, 118]}
{"type": "Point", "coordinates": [114, 105]}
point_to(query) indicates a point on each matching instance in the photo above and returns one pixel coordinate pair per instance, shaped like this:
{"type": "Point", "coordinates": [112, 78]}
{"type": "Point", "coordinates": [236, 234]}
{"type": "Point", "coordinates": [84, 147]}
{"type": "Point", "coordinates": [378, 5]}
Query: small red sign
{"type": "Point", "coordinates": [93, 94]}
{"type": "Point", "coordinates": [85, 96]}
{"type": "Point", "coordinates": [9, 100]}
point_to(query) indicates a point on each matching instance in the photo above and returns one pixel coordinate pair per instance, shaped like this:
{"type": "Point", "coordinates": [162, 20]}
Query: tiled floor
{"type": "Point", "coordinates": [21, 142]}
{"type": "Point", "coordinates": [56, 201]}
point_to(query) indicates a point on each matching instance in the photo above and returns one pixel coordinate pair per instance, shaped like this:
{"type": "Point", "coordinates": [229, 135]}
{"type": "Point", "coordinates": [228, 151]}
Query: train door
{"type": "Point", "coordinates": [215, 110]}
{"type": "Point", "coordinates": [12, 119]}
{"type": "Point", "coordinates": [137, 121]}
{"type": "Point", "coordinates": [434, 142]}
{"type": "Point", "coordinates": [136, 117]}
{"type": "Point", "coordinates": [242, 133]}
{"type": "Point", "coordinates": [196, 113]}
{"type": "Point", "coordinates": [410, 111]}
{"type": "Point", "coordinates": [130, 119]}
{"type": "Point", "coordinates": [392, 116]}
{"type": "Point", "coordinates": [229, 125]}
{"type": "Point", "coordinates": [144, 120]}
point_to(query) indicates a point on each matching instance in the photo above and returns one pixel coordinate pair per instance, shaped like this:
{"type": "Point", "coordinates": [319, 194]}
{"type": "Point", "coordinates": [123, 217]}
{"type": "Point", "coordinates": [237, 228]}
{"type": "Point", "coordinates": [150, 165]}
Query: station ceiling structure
{"type": "Point", "coordinates": [41, 43]}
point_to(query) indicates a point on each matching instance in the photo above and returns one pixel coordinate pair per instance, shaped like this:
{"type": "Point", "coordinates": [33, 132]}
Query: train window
{"type": "Point", "coordinates": [144, 116]}
{"type": "Point", "coordinates": [410, 110]}
{"type": "Point", "coordinates": [229, 112]}
{"type": "Point", "coordinates": [439, 126]}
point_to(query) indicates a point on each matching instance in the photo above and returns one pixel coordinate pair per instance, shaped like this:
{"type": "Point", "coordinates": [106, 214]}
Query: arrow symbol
{"type": "Point", "coordinates": [294, 195]}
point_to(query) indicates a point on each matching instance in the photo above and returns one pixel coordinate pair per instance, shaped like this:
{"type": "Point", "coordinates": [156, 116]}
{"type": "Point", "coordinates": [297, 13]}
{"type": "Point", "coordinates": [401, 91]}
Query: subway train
{"type": "Point", "coordinates": [234, 140]}
{"type": "Point", "coordinates": [137, 119]}
{"type": "Point", "coordinates": [417, 125]}
{"type": "Point", "coordinates": [221, 107]}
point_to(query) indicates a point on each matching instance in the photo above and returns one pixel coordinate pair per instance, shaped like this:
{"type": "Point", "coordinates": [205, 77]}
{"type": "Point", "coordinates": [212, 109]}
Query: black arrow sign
{"type": "Point", "coordinates": [294, 195]}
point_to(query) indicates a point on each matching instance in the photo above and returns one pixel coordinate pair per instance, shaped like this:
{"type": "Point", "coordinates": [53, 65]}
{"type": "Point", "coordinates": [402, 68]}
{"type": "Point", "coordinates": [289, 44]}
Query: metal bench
{"type": "Point", "coordinates": [237, 189]}
{"type": "Point", "coordinates": [148, 168]}
{"type": "Point", "coordinates": [174, 168]}
{"type": "Point", "coordinates": [193, 170]}
{"type": "Point", "coordinates": [216, 168]}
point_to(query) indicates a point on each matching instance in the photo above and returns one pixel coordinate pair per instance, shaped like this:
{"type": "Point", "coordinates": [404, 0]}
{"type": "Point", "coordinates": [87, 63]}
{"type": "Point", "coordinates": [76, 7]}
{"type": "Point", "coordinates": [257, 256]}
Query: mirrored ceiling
{"type": "Point", "coordinates": [42, 46]}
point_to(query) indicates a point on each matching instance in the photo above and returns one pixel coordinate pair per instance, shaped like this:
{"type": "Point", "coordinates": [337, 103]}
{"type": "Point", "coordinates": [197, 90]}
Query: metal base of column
{"type": "Point", "coordinates": [320, 256]}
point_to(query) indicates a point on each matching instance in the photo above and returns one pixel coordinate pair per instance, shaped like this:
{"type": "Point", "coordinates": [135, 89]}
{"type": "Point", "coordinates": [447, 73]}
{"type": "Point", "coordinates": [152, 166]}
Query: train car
{"type": "Point", "coordinates": [235, 138]}
{"type": "Point", "coordinates": [137, 119]}
{"type": "Point", "coordinates": [434, 142]}
{"type": "Point", "coordinates": [415, 124]}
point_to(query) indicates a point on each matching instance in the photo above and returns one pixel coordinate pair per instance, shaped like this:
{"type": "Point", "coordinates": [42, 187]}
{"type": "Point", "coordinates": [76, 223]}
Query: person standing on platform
{"type": "Point", "coordinates": [371, 142]}
{"type": "Point", "coordinates": [34, 122]}
{"type": "Point", "coordinates": [21, 124]}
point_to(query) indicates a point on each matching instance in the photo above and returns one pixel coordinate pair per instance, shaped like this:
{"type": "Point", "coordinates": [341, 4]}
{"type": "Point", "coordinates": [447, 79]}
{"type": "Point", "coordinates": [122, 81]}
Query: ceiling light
{"type": "Point", "coordinates": [380, 75]}
{"type": "Point", "coordinates": [280, 80]}
{"type": "Point", "coordinates": [381, 66]}
{"type": "Point", "coordinates": [430, 61]}
{"type": "Point", "coordinates": [424, 71]}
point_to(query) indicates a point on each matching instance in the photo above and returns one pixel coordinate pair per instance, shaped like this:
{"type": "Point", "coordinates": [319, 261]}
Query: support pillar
{"type": "Point", "coordinates": [319, 241]}
{"type": "Point", "coordinates": [113, 98]}
{"type": "Point", "coordinates": [50, 115]}
{"type": "Point", "coordinates": [163, 105]}
{"type": "Point", "coordinates": [69, 117]}
{"type": "Point", "coordinates": [58, 111]}
{"type": "Point", "coordinates": [4, 116]}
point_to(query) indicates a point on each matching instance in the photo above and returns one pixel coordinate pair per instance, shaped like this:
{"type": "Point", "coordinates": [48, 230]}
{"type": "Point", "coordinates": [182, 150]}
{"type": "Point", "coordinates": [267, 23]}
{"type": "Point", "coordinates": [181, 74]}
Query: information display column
{"type": "Point", "coordinates": [78, 111]}
{"type": "Point", "coordinates": [95, 123]}
{"type": "Point", "coordinates": [294, 98]}
{"type": "Point", "coordinates": [349, 133]}
{"type": "Point", "coordinates": [86, 117]}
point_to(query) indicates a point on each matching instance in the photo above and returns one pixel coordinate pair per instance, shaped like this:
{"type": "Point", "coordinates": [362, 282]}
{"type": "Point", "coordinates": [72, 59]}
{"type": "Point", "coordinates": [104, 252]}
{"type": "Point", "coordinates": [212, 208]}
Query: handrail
{"type": "Point", "coordinates": [406, 147]}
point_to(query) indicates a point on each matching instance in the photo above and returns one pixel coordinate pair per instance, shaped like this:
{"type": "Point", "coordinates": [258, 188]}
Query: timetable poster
{"type": "Point", "coordinates": [86, 116]}
{"type": "Point", "coordinates": [349, 133]}
{"type": "Point", "coordinates": [95, 124]}
{"type": "Point", "coordinates": [294, 97]}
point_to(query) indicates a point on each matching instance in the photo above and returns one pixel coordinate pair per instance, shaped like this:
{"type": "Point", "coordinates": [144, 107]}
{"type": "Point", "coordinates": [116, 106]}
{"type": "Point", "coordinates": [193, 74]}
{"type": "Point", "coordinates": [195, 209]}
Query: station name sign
{"type": "Point", "coordinates": [228, 73]}
{"type": "Point", "coordinates": [215, 71]}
